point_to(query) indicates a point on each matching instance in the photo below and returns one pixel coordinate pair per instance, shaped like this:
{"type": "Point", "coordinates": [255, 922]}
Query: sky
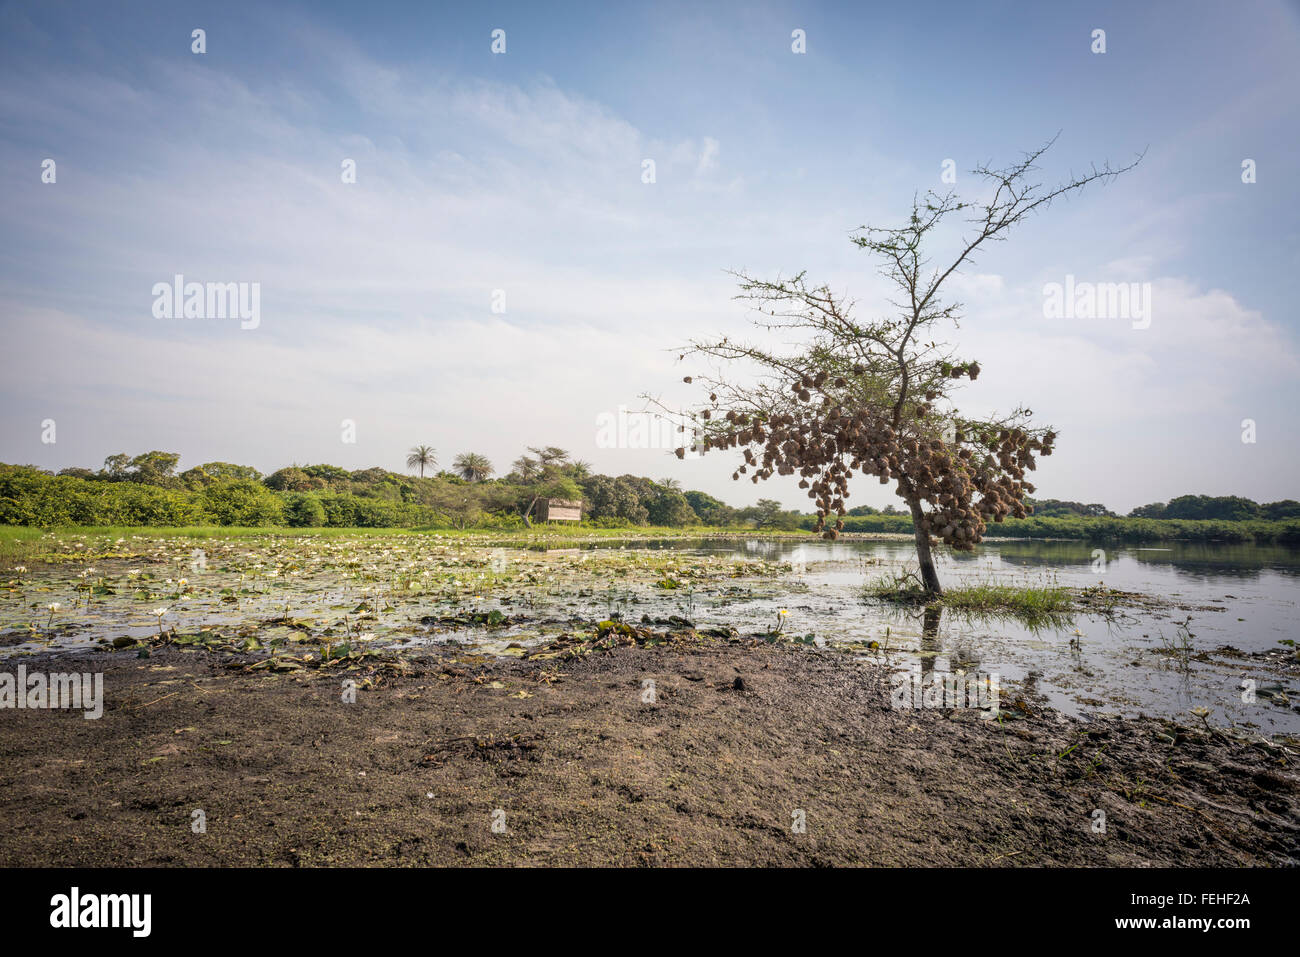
{"type": "Point", "coordinates": [500, 275]}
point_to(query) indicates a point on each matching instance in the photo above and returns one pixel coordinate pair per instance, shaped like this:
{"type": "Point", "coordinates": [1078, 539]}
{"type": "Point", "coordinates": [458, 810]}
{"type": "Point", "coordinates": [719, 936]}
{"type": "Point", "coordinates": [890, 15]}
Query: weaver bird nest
{"type": "Point", "coordinates": [977, 474]}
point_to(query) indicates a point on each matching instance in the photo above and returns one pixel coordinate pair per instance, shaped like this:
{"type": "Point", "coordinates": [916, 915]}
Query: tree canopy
{"type": "Point", "coordinates": [873, 394]}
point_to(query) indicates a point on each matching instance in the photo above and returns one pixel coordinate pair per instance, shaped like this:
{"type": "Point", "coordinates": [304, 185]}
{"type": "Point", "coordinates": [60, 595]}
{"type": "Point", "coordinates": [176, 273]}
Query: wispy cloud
{"type": "Point", "coordinates": [377, 297]}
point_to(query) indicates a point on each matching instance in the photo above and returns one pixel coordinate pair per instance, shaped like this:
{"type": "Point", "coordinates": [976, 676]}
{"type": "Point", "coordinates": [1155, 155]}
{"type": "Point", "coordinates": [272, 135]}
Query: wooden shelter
{"type": "Point", "coordinates": [559, 510]}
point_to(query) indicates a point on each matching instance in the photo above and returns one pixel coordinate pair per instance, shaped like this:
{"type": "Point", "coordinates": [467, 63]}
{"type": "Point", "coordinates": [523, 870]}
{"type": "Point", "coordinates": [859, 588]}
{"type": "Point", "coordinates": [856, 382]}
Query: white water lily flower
{"type": "Point", "coordinates": [53, 606]}
{"type": "Point", "coordinates": [159, 612]}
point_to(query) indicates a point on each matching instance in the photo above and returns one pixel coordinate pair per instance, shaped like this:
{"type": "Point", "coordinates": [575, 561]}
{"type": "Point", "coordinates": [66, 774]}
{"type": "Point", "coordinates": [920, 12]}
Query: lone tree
{"type": "Point", "coordinates": [873, 395]}
{"type": "Point", "coordinates": [422, 457]}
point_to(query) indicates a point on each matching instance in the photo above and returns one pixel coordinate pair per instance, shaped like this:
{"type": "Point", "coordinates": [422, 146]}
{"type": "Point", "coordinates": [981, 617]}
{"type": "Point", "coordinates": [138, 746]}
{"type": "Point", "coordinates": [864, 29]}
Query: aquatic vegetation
{"type": "Point", "coordinates": [1179, 647]}
{"type": "Point", "coordinates": [367, 602]}
{"type": "Point", "coordinates": [400, 588]}
{"type": "Point", "coordinates": [1036, 604]}
{"type": "Point", "coordinates": [1030, 604]}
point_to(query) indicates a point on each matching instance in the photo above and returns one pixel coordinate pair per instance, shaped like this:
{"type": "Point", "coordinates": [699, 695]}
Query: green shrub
{"type": "Point", "coordinates": [243, 503]}
{"type": "Point", "coordinates": [303, 510]}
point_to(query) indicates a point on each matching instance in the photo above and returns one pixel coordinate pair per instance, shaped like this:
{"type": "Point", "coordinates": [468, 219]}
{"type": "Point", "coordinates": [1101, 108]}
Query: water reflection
{"type": "Point", "coordinates": [1241, 601]}
{"type": "Point", "coordinates": [930, 644]}
{"type": "Point", "coordinates": [1195, 559]}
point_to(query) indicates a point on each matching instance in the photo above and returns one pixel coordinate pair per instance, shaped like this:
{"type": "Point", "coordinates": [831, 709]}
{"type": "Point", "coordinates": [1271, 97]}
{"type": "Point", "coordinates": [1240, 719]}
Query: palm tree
{"type": "Point", "coordinates": [672, 484]}
{"type": "Point", "coordinates": [526, 468]}
{"type": "Point", "coordinates": [472, 467]}
{"type": "Point", "coordinates": [579, 469]}
{"type": "Point", "coordinates": [422, 456]}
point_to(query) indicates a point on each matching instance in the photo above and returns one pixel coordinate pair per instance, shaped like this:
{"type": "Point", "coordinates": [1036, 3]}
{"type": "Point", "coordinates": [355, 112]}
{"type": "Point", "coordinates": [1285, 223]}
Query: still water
{"type": "Point", "coordinates": [1232, 603]}
{"type": "Point", "coordinates": [1216, 639]}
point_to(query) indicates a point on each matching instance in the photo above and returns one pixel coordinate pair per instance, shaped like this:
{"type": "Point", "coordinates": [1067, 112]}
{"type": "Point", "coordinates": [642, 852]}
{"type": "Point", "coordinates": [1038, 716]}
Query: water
{"type": "Point", "coordinates": [1227, 607]}
{"type": "Point", "coordinates": [1239, 596]}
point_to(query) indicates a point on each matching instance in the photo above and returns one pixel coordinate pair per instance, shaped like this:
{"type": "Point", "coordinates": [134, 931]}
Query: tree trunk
{"type": "Point", "coordinates": [929, 577]}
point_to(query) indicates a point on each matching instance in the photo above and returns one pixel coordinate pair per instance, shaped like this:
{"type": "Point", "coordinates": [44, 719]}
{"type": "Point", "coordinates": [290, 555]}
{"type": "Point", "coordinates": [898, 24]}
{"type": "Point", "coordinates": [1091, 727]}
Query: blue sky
{"type": "Point", "coordinates": [522, 172]}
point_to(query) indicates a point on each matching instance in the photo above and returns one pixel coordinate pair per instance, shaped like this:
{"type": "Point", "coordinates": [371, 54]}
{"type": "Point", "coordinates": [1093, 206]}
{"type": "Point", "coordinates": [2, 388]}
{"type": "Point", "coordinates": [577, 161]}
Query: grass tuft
{"type": "Point", "coordinates": [1035, 605]}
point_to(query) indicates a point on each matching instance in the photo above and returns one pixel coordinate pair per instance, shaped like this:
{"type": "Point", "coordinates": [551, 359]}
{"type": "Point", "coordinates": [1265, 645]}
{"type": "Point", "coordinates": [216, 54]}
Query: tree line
{"type": "Point", "coordinates": [149, 489]}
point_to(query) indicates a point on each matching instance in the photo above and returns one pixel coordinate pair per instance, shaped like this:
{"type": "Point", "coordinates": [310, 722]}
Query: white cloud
{"type": "Point", "coordinates": [708, 156]}
{"type": "Point", "coordinates": [376, 297]}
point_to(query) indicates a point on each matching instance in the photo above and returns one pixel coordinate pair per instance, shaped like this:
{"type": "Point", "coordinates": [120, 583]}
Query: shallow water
{"type": "Point", "coordinates": [1130, 665]}
{"type": "Point", "coordinates": [378, 589]}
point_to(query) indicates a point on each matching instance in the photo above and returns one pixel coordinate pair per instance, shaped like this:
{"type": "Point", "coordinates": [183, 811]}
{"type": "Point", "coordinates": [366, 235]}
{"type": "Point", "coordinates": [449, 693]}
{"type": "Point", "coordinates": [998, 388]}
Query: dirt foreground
{"type": "Point", "coordinates": [567, 762]}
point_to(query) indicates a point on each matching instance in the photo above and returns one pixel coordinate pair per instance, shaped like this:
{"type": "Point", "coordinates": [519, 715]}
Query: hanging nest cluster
{"type": "Point", "coordinates": [977, 476]}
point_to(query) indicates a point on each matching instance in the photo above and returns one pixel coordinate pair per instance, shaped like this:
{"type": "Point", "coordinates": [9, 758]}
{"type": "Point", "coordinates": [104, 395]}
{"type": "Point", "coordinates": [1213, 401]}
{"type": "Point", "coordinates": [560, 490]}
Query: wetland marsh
{"type": "Point", "coordinates": [435, 699]}
{"type": "Point", "coordinates": [1168, 630]}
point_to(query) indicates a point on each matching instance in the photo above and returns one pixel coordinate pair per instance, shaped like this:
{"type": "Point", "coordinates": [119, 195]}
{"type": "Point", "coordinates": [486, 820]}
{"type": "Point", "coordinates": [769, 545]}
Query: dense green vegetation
{"type": "Point", "coordinates": [1113, 529]}
{"type": "Point", "coordinates": [1224, 508]}
{"type": "Point", "coordinates": [1227, 508]}
{"type": "Point", "coordinates": [146, 490]}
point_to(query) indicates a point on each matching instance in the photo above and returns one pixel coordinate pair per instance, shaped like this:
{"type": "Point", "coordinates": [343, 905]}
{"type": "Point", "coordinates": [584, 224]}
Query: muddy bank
{"type": "Point", "coordinates": [586, 769]}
